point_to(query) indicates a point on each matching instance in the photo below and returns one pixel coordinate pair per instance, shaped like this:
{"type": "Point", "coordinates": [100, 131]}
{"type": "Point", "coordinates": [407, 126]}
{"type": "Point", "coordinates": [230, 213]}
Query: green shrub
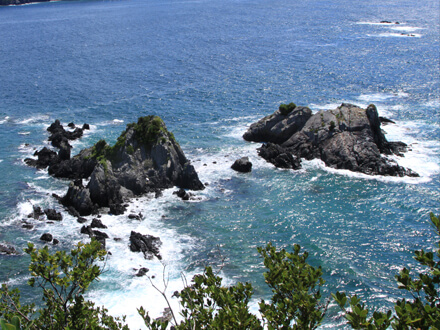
{"type": "Point", "coordinates": [285, 109]}
{"type": "Point", "coordinates": [63, 279]}
{"type": "Point", "coordinates": [332, 126]}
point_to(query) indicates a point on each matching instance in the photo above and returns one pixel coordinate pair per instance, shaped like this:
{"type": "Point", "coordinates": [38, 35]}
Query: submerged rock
{"type": "Point", "coordinates": [347, 137]}
{"type": "Point", "coordinates": [7, 249]}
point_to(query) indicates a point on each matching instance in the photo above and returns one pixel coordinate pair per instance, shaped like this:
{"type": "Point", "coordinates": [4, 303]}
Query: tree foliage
{"type": "Point", "coordinates": [295, 304]}
{"type": "Point", "coordinates": [63, 279]}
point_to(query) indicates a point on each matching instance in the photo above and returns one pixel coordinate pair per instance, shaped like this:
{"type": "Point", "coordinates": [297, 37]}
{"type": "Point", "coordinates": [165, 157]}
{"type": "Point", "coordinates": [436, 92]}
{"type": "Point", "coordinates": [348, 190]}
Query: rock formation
{"type": "Point", "coordinates": [146, 158]}
{"type": "Point", "coordinates": [347, 137]}
{"type": "Point", "coordinates": [242, 165]}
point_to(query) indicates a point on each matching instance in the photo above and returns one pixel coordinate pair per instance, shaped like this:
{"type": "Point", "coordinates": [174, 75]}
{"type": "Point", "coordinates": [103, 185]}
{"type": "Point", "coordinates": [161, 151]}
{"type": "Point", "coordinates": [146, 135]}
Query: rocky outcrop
{"type": "Point", "coordinates": [147, 244]}
{"type": "Point", "coordinates": [347, 137]}
{"type": "Point", "coordinates": [146, 158]}
{"type": "Point", "coordinates": [7, 249]}
{"type": "Point", "coordinates": [59, 163]}
{"type": "Point", "coordinates": [52, 214]}
{"type": "Point", "coordinates": [242, 165]}
{"type": "Point", "coordinates": [278, 127]}
{"type": "Point", "coordinates": [279, 156]}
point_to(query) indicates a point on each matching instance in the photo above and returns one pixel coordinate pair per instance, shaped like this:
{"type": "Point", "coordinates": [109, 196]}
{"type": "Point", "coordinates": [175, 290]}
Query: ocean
{"type": "Point", "coordinates": [209, 69]}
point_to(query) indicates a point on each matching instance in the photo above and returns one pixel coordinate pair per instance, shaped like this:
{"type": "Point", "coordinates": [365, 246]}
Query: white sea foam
{"type": "Point", "coordinates": [4, 120]}
{"type": "Point", "coordinates": [405, 28]}
{"type": "Point", "coordinates": [394, 35]}
{"type": "Point", "coordinates": [37, 119]}
{"type": "Point", "coordinates": [380, 97]}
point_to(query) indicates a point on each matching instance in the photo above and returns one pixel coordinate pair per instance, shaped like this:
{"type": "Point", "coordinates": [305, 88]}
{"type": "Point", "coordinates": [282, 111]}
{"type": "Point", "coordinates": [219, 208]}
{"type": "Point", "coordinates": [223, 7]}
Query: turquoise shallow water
{"type": "Point", "coordinates": [209, 69]}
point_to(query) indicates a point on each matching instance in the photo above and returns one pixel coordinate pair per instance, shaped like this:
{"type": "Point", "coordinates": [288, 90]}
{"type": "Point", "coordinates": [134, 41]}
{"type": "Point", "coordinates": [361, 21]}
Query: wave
{"type": "Point", "coordinates": [37, 119]}
{"type": "Point", "coordinates": [5, 120]}
{"type": "Point", "coordinates": [398, 35]}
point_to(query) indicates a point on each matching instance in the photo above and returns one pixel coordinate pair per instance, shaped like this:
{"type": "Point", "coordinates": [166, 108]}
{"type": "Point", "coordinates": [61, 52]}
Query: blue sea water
{"type": "Point", "coordinates": [210, 68]}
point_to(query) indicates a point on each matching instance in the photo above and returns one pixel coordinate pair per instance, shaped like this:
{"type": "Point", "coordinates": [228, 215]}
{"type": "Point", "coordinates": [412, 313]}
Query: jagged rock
{"type": "Point", "coordinates": [46, 237]}
{"type": "Point", "coordinates": [147, 244]}
{"type": "Point", "coordinates": [96, 223]}
{"type": "Point", "coordinates": [181, 193]}
{"type": "Point", "coordinates": [7, 249]}
{"type": "Point", "coordinates": [64, 152]}
{"type": "Point", "coordinates": [45, 158]}
{"type": "Point", "coordinates": [242, 165]}
{"type": "Point", "coordinates": [78, 197]}
{"type": "Point", "coordinates": [36, 213]}
{"type": "Point", "coordinates": [55, 241]}
{"type": "Point", "coordinates": [71, 125]}
{"type": "Point", "coordinates": [85, 126]}
{"type": "Point", "coordinates": [134, 216]}
{"type": "Point", "coordinates": [52, 214]}
{"type": "Point", "coordinates": [81, 220]}
{"type": "Point", "coordinates": [279, 156]}
{"type": "Point", "coordinates": [142, 272]}
{"type": "Point", "coordinates": [385, 121]}
{"type": "Point", "coordinates": [347, 137]}
{"type": "Point", "coordinates": [145, 159]}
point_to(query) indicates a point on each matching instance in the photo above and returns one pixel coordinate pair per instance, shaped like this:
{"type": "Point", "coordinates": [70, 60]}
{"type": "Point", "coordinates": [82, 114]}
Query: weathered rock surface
{"type": "Point", "coordinates": [347, 137]}
{"type": "Point", "coordinates": [52, 214]}
{"type": "Point", "coordinates": [279, 156]}
{"type": "Point", "coordinates": [147, 244]}
{"type": "Point", "coordinates": [146, 158]}
{"type": "Point", "coordinates": [242, 165]}
{"type": "Point", "coordinates": [277, 128]}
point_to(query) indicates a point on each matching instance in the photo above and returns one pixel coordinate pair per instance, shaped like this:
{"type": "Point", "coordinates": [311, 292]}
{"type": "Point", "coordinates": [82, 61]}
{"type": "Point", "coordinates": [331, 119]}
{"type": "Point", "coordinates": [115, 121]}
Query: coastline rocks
{"type": "Point", "coordinates": [278, 127]}
{"type": "Point", "coordinates": [143, 271]}
{"type": "Point", "coordinates": [146, 158]}
{"type": "Point", "coordinates": [7, 249]}
{"type": "Point", "coordinates": [46, 237]}
{"type": "Point", "coordinates": [147, 244]}
{"type": "Point", "coordinates": [347, 137]}
{"type": "Point", "coordinates": [242, 165]}
{"type": "Point", "coordinates": [45, 157]}
{"type": "Point", "coordinates": [51, 214]}
{"type": "Point", "coordinates": [279, 156]}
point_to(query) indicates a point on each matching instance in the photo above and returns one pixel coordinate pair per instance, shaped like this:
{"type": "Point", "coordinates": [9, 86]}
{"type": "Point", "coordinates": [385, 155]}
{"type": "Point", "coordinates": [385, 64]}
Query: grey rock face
{"type": "Point", "coordinates": [145, 159]}
{"type": "Point", "coordinates": [347, 137]}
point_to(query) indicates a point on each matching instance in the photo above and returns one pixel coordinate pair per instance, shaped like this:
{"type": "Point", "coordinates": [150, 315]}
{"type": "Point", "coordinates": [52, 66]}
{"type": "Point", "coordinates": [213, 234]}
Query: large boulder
{"type": "Point", "coordinates": [347, 137]}
{"type": "Point", "coordinates": [279, 156]}
{"type": "Point", "coordinates": [78, 197]}
{"type": "Point", "coordinates": [147, 244]}
{"type": "Point", "coordinates": [242, 165]}
{"type": "Point", "coordinates": [279, 126]}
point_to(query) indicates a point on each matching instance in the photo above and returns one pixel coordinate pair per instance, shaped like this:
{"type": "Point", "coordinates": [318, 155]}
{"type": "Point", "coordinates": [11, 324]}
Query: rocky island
{"type": "Point", "coordinates": [347, 137]}
{"type": "Point", "coordinates": [146, 158]}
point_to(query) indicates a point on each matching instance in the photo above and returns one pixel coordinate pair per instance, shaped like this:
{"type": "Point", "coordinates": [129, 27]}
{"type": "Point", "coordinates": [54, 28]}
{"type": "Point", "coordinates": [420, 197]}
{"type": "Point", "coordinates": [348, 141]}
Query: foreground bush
{"type": "Point", "coordinates": [63, 279]}
{"type": "Point", "coordinates": [207, 304]}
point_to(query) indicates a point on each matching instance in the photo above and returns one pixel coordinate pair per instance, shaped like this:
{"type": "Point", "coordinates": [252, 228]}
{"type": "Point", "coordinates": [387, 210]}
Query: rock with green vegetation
{"type": "Point", "coordinates": [145, 158]}
{"type": "Point", "coordinates": [347, 137]}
